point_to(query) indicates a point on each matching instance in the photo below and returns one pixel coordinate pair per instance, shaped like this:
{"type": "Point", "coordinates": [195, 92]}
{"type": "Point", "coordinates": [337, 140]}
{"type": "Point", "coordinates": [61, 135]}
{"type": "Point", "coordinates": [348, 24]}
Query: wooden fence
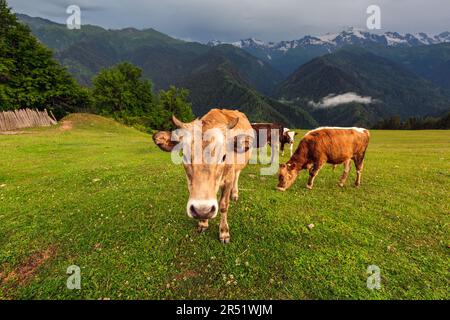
{"type": "Point", "coordinates": [25, 118]}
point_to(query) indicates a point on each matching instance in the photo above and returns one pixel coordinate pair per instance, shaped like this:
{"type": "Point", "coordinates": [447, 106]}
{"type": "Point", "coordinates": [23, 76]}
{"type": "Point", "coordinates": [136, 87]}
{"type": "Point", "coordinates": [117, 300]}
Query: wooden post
{"type": "Point", "coordinates": [25, 118]}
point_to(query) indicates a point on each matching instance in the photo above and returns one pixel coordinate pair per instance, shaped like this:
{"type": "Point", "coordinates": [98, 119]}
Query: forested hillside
{"type": "Point", "coordinates": [29, 76]}
{"type": "Point", "coordinates": [392, 89]}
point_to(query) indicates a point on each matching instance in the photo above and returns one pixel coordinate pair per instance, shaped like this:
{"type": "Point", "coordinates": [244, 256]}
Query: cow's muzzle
{"type": "Point", "coordinates": [202, 209]}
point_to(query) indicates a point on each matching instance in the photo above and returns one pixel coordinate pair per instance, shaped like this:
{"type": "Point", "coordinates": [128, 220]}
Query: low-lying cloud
{"type": "Point", "coordinates": [333, 100]}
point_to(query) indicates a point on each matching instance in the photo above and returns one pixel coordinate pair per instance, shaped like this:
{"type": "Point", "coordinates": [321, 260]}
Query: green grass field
{"type": "Point", "coordinates": [101, 196]}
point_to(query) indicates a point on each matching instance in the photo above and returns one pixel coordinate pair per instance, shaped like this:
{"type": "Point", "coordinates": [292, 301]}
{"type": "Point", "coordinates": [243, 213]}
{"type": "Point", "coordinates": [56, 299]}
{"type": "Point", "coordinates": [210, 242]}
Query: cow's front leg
{"type": "Point", "coordinates": [224, 231]}
{"type": "Point", "coordinates": [202, 225]}
{"type": "Point", "coordinates": [235, 190]}
{"type": "Point", "coordinates": [291, 148]}
{"type": "Point", "coordinates": [313, 173]}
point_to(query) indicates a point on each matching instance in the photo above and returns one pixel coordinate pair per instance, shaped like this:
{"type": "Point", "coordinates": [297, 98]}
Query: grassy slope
{"type": "Point", "coordinates": [130, 235]}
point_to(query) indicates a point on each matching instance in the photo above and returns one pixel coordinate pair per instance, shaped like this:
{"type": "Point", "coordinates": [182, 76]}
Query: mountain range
{"type": "Point", "coordinates": [388, 87]}
{"type": "Point", "coordinates": [286, 56]}
{"type": "Point", "coordinates": [286, 82]}
{"type": "Point", "coordinates": [350, 36]}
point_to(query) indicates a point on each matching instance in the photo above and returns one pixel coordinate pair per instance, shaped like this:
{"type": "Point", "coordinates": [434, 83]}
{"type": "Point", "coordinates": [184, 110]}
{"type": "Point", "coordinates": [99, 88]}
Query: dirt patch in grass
{"type": "Point", "coordinates": [186, 275]}
{"type": "Point", "coordinates": [10, 133]}
{"type": "Point", "coordinates": [25, 272]}
{"type": "Point", "coordinates": [66, 125]}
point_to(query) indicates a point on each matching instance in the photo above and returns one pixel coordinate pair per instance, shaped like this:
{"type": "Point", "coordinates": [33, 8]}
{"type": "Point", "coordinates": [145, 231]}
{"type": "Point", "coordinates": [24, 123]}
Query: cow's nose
{"type": "Point", "coordinates": [202, 209]}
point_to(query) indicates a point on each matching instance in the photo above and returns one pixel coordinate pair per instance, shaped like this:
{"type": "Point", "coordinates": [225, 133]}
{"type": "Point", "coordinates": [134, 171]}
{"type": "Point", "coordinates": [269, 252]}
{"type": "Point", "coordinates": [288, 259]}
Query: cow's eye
{"type": "Point", "coordinates": [223, 158]}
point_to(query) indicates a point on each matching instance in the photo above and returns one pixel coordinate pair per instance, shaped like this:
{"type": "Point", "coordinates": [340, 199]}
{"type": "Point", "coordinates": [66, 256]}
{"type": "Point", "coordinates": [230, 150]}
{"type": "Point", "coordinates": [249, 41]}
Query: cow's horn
{"type": "Point", "coordinates": [179, 124]}
{"type": "Point", "coordinates": [233, 123]}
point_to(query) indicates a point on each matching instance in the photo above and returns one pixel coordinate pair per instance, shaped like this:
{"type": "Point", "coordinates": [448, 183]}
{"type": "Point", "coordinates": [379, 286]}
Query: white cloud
{"type": "Point", "coordinates": [333, 100]}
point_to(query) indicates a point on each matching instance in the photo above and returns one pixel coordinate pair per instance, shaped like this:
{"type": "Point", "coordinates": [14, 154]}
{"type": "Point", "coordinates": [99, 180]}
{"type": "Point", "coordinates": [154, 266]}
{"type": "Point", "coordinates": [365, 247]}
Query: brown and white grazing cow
{"type": "Point", "coordinates": [214, 164]}
{"type": "Point", "coordinates": [326, 145]}
{"type": "Point", "coordinates": [264, 133]}
{"type": "Point", "coordinates": [288, 138]}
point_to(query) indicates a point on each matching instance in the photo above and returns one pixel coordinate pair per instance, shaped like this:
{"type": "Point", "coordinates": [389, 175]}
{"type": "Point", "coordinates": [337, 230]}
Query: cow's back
{"type": "Point", "coordinates": [216, 117]}
{"type": "Point", "coordinates": [336, 144]}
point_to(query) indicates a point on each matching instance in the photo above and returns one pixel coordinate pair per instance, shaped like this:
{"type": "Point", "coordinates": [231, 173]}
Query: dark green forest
{"type": "Point", "coordinates": [395, 123]}
{"type": "Point", "coordinates": [29, 76]}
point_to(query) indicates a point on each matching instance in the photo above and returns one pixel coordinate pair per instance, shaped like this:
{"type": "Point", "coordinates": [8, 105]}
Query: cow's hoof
{"type": "Point", "coordinates": [235, 197]}
{"type": "Point", "coordinates": [225, 239]}
{"type": "Point", "coordinates": [341, 184]}
{"type": "Point", "coordinates": [201, 229]}
{"type": "Point", "coordinates": [309, 187]}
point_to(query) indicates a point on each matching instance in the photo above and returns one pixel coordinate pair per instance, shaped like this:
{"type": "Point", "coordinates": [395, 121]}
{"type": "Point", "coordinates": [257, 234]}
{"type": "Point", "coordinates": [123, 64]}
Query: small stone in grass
{"type": "Point", "coordinates": [311, 226]}
{"type": "Point", "coordinates": [96, 180]}
{"type": "Point", "coordinates": [2, 185]}
{"type": "Point", "coordinates": [390, 248]}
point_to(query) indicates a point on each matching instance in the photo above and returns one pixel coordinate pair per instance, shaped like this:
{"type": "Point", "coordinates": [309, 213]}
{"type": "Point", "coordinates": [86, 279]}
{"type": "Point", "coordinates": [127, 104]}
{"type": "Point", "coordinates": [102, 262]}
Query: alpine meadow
{"type": "Point", "coordinates": [99, 195]}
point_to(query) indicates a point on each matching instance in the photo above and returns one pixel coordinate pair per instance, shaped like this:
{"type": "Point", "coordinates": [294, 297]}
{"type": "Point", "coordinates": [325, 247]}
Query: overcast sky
{"type": "Point", "coordinates": [230, 20]}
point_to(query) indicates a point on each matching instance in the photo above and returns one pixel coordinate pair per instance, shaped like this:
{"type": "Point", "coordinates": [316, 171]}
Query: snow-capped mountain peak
{"type": "Point", "coordinates": [246, 43]}
{"type": "Point", "coordinates": [349, 36]}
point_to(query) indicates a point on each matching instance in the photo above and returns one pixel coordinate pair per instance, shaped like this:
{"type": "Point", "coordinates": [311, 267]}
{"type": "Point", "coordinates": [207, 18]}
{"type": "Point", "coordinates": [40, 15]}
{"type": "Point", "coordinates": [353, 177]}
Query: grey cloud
{"type": "Point", "coordinates": [230, 20]}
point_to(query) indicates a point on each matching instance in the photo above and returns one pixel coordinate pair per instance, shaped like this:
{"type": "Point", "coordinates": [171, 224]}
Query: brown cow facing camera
{"type": "Point", "coordinates": [326, 145]}
{"type": "Point", "coordinates": [214, 151]}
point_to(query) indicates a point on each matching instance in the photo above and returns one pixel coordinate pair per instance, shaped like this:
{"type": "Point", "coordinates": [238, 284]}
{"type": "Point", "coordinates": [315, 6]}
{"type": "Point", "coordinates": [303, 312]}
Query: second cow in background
{"type": "Point", "coordinates": [264, 133]}
{"type": "Point", "coordinates": [288, 138]}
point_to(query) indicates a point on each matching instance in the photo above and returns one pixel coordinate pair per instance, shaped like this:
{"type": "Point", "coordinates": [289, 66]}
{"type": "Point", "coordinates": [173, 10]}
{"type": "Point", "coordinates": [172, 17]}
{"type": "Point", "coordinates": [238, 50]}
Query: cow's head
{"type": "Point", "coordinates": [287, 175]}
{"type": "Point", "coordinates": [208, 151]}
{"type": "Point", "coordinates": [289, 136]}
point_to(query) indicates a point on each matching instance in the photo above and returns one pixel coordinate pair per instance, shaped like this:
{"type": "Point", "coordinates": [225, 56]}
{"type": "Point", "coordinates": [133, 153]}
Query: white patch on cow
{"type": "Point", "coordinates": [360, 130]}
{"type": "Point", "coordinates": [291, 135]}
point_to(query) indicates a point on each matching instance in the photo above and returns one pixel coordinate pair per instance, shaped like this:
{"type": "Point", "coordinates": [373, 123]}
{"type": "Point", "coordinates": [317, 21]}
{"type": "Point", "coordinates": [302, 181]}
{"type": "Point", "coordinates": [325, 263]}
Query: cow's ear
{"type": "Point", "coordinates": [163, 140]}
{"type": "Point", "coordinates": [242, 143]}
